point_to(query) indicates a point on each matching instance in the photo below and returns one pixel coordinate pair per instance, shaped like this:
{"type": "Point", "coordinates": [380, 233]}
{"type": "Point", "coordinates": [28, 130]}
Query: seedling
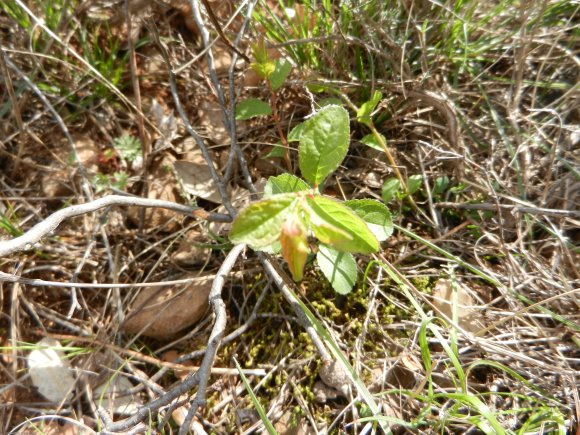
{"type": "Point", "coordinates": [274, 74]}
{"type": "Point", "coordinates": [294, 209]}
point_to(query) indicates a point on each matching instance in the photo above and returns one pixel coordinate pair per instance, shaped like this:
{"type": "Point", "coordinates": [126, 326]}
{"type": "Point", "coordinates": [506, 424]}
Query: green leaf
{"type": "Point", "coordinates": [414, 183]}
{"type": "Point", "coordinates": [375, 214]}
{"type": "Point", "coordinates": [323, 143]}
{"type": "Point", "coordinates": [365, 111]}
{"type": "Point", "coordinates": [318, 88]}
{"type": "Point", "coordinates": [371, 141]}
{"type": "Point", "coordinates": [284, 183]}
{"type": "Point", "coordinates": [330, 101]}
{"type": "Point", "coordinates": [120, 180]}
{"type": "Point", "coordinates": [389, 190]}
{"type": "Point", "coordinates": [339, 268]}
{"type": "Point", "coordinates": [263, 65]}
{"type": "Point", "coordinates": [277, 151]}
{"type": "Point", "coordinates": [259, 408]}
{"type": "Point", "coordinates": [440, 186]}
{"type": "Point", "coordinates": [278, 77]}
{"type": "Point", "coordinates": [335, 224]}
{"type": "Point", "coordinates": [128, 147]}
{"type": "Point", "coordinates": [296, 132]}
{"type": "Point", "coordinates": [251, 107]}
{"type": "Point", "coordinates": [259, 224]}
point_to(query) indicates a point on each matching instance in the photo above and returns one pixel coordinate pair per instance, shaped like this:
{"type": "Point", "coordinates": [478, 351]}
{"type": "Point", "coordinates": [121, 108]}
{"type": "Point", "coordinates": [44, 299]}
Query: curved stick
{"type": "Point", "coordinates": [41, 229]}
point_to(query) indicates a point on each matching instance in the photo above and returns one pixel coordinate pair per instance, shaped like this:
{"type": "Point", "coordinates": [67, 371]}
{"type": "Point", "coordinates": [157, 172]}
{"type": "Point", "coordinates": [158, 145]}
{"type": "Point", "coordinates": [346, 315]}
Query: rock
{"type": "Point", "coordinates": [50, 371]}
{"type": "Point", "coordinates": [332, 374]}
{"type": "Point", "coordinates": [161, 313]}
{"type": "Point", "coordinates": [324, 393]}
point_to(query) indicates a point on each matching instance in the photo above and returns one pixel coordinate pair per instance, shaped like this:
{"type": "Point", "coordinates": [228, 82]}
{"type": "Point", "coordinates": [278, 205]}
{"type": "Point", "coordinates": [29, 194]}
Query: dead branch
{"type": "Point", "coordinates": [45, 227]}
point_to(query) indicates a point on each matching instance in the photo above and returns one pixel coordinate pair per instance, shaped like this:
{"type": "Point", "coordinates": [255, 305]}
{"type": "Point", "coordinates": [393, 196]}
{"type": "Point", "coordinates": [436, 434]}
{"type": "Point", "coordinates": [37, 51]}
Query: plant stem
{"type": "Point", "coordinates": [381, 140]}
{"type": "Point", "coordinates": [276, 118]}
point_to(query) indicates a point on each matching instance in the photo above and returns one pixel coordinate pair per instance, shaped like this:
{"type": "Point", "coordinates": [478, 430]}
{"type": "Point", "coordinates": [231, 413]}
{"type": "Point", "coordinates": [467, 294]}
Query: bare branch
{"type": "Point", "coordinates": [201, 376]}
{"type": "Point", "coordinates": [217, 179]}
{"type": "Point", "coordinates": [218, 306]}
{"type": "Point", "coordinates": [40, 230]}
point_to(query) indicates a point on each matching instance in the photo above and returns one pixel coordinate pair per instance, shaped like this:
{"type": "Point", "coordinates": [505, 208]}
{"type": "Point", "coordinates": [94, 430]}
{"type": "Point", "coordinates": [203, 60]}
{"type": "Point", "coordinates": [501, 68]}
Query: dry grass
{"type": "Point", "coordinates": [479, 98]}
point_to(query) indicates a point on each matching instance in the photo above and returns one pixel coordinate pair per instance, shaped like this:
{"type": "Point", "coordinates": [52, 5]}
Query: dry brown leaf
{"type": "Point", "coordinates": [162, 185]}
{"type": "Point", "coordinates": [188, 254]}
{"type": "Point", "coordinates": [401, 377]}
{"type": "Point", "coordinates": [115, 396]}
{"type": "Point", "coordinates": [56, 184]}
{"type": "Point", "coordinates": [222, 58]}
{"type": "Point", "coordinates": [172, 356]}
{"type": "Point", "coordinates": [88, 153]}
{"type": "Point", "coordinates": [195, 178]}
{"type": "Point", "coordinates": [211, 120]}
{"type": "Point", "coordinates": [163, 312]}
{"type": "Point", "coordinates": [166, 124]}
{"type": "Point", "coordinates": [469, 317]}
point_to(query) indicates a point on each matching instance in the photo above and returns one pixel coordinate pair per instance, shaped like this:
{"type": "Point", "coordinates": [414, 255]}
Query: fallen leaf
{"type": "Point", "coordinates": [162, 185]}
{"type": "Point", "coordinates": [163, 312]}
{"type": "Point", "coordinates": [88, 153]}
{"type": "Point", "coordinates": [171, 356]}
{"type": "Point", "coordinates": [166, 124]}
{"type": "Point", "coordinates": [189, 253]}
{"type": "Point", "coordinates": [222, 59]}
{"type": "Point", "coordinates": [115, 396]}
{"type": "Point", "coordinates": [195, 178]}
{"type": "Point", "coordinates": [50, 372]}
{"type": "Point", "coordinates": [400, 376]}
{"type": "Point", "coordinates": [56, 184]}
{"type": "Point", "coordinates": [211, 120]}
{"type": "Point", "coordinates": [469, 317]}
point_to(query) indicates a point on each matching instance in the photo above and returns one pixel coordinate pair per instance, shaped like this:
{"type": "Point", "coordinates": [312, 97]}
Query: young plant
{"type": "Point", "coordinates": [274, 73]}
{"type": "Point", "coordinates": [294, 209]}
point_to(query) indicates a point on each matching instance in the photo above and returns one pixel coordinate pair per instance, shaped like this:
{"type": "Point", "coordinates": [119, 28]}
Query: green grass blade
{"type": "Point", "coordinates": [259, 408]}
